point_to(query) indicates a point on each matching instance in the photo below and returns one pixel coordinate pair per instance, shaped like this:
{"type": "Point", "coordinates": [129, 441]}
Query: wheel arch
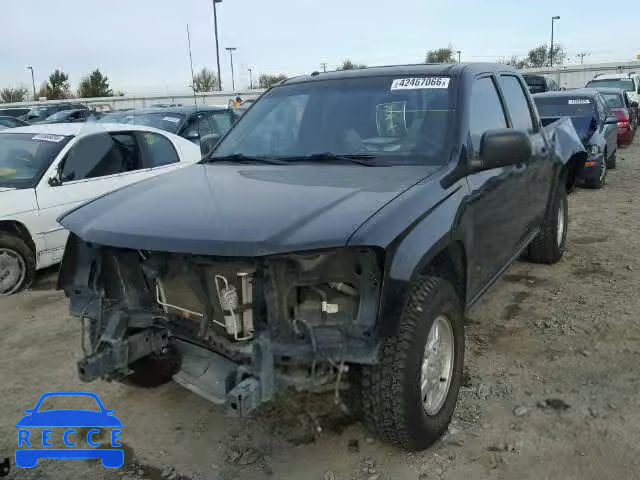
{"type": "Point", "coordinates": [570, 171]}
{"type": "Point", "coordinates": [20, 230]}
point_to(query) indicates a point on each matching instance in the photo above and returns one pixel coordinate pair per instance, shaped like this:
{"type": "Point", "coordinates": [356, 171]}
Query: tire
{"type": "Point", "coordinates": [392, 400]}
{"type": "Point", "coordinates": [154, 370]}
{"type": "Point", "coordinates": [17, 264]}
{"type": "Point", "coordinates": [597, 183]}
{"type": "Point", "coordinates": [611, 161]}
{"type": "Point", "coordinates": [548, 246]}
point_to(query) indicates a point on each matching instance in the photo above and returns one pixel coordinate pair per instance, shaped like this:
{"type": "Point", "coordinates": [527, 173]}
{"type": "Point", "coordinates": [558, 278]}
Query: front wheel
{"type": "Point", "coordinates": [408, 398]}
{"type": "Point", "coordinates": [17, 264]}
{"type": "Point", "coordinates": [549, 244]}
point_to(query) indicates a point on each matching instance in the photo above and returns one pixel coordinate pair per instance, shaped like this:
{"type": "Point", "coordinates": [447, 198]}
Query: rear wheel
{"type": "Point", "coordinates": [408, 399]}
{"type": "Point", "coordinates": [548, 246]}
{"type": "Point", "coordinates": [17, 264]}
{"type": "Point", "coordinates": [600, 180]}
{"type": "Point", "coordinates": [611, 161]}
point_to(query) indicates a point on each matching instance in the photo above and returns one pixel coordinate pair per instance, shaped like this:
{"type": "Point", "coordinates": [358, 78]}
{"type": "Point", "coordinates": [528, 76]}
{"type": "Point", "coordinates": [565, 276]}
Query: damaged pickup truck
{"type": "Point", "coordinates": [333, 239]}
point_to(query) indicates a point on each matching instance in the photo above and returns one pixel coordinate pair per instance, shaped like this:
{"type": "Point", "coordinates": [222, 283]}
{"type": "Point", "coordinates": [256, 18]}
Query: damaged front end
{"type": "Point", "coordinates": [234, 330]}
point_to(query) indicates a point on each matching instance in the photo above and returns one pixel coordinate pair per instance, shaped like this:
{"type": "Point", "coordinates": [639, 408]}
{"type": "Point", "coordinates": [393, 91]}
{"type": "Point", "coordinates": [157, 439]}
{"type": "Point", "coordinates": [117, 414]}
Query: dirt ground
{"type": "Point", "coordinates": [551, 390]}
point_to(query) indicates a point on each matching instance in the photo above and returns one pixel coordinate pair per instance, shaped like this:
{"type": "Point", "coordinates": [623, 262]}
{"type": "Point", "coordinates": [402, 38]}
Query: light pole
{"type": "Point", "coordinates": [553, 19]}
{"type": "Point", "coordinates": [324, 66]}
{"type": "Point", "coordinates": [231, 50]}
{"type": "Point", "coordinates": [33, 82]}
{"type": "Point", "coordinates": [215, 29]}
{"type": "Point", "coordinates": [459, 52]}
{"type": "Point", "coordinates": [250, 79]}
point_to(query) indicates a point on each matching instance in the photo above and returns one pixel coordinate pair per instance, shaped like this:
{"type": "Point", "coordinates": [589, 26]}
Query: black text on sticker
{"type": "Point", "coordinates": [419, 82]}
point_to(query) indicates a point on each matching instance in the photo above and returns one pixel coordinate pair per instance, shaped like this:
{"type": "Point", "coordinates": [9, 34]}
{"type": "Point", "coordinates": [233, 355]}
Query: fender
{"type": "Point", "coordinates": [425, 234]}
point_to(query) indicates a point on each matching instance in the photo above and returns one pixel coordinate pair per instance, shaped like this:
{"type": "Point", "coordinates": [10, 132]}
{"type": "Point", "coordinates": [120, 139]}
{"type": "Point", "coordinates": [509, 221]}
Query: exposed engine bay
{"type": "Point", "coordinates": [234, 330]}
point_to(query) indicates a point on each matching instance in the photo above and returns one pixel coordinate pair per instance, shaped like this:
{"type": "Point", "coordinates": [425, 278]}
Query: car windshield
{"type": "Point", "coordinates": [397, 119]}
{"type": "Point", "coordinates": [69, 402]}
{"type": "Point", "coordinates": [24, 157]}
{"type": "Point", "coordinates": [614, 100]}
{"type": "Point", "coordinates": [565, 106]}
{"type": "Point", "coordinates": [622, 83]}
{"type": "Point", "coordinates": [61, 115]}
{"type": "Point", "coordinates": [168, 121]}
{"type": "Point", "coordinates": [38, 112]}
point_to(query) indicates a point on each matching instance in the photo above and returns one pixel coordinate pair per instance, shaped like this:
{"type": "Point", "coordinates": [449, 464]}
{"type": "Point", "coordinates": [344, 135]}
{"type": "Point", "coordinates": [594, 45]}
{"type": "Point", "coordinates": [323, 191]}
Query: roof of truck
{"type": "Point", "coordinates": [451, 69]}
{"type": "Point", "coordinates": [577, 92]}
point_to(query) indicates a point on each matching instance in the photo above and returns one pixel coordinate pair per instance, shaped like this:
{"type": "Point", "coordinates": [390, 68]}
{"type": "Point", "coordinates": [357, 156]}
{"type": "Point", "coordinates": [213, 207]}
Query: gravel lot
{"type": "Point", "coordinates": [551, 390]}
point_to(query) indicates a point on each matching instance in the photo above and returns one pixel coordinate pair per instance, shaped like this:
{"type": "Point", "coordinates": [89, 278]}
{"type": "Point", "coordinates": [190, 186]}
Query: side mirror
{"type": "Point", "coordinates": [633, 104]}
{"type": "Point", "coordinates": [611, 120]}
{"type": "Point", "coordinates": [503, 147]}
{"type": "Point", "coordinates": [56, 180]}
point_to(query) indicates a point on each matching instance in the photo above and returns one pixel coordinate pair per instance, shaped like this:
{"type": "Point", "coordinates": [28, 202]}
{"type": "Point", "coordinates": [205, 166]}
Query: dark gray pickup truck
{"type": "Point", "coordinates": [334, 237]}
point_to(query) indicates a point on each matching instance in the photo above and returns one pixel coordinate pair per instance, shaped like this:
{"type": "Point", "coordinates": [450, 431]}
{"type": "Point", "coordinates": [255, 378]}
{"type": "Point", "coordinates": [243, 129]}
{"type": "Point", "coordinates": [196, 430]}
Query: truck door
{"type": "Point", "coordinates": [537, 172]}
{"type": "Point", "coordinates": [497, 200]}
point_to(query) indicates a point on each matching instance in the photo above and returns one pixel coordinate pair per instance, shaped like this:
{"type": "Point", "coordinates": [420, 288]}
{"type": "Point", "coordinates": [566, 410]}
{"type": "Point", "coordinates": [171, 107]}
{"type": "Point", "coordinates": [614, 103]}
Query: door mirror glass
{"type": "Point", "coordinates": [611, 120]}
{"type": "Point", "coordinates": [504, 147]}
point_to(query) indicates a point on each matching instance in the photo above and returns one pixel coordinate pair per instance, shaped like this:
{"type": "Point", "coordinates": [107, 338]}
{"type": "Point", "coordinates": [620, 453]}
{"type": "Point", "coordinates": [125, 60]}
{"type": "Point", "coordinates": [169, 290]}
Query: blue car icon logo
{"type": "Point", "coordinates": [31, 447]}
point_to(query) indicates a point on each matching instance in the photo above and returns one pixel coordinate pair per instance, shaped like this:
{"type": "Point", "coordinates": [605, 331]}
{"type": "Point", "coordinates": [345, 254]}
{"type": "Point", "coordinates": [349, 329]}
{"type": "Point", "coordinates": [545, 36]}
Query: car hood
{"type": "Point", "coordinates": [69, 418]}
{"type": "Point", "coordinates": [243, 210]}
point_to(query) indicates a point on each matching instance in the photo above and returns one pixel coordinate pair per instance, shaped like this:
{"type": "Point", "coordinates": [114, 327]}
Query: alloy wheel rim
{"type": "Point", "coordinates": [560, 232]}
{"type": "Point", "coordinates": [12, 271]}
{"type": "Point", "coordinates": [437, 365]}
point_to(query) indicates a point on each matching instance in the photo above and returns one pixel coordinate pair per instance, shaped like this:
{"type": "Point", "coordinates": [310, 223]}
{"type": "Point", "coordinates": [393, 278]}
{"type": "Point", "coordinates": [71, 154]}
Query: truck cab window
{"type": "Point", "coordinates": [518, 106]}
{"type": "Point", "coordinates": [487, 112]}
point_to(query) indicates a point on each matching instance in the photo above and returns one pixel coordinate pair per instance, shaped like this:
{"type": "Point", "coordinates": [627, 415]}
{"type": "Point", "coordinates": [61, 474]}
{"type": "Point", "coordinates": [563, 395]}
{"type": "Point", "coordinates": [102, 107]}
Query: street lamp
{"type": "Point", "coordinates": [459, 52]}
{"type": "Point", "coordinates": [231, 50]}
{"type": "Point", "coordinates": [553, 19]}
{"type": "Point", "coordinates": [33, 82]}
{"type": "Point", "coordinates": [250, 79]}
{"type": "Point", "coordinates": [215, 29]}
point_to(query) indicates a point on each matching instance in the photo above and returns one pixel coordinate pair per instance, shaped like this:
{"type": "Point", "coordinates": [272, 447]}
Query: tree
{"type": "Point", "coordinates": [57, 87]}
{"type": "Point", "coordinates": [266, 80]}
{"type": "Point", "coordinates": [349, 65]}
{"type": "Point", "coordinates": [12, 95]}
{"type": "Point", "coordinates": [441, 55]}
{"type": "Point", "coordinates": [539, 56]}
{"type": "Point", "coordinates": [94, 85]}
{"type": "Point", "coordinates": [514, 61]}
{"type": "Point", "coordinates": [205, 81]}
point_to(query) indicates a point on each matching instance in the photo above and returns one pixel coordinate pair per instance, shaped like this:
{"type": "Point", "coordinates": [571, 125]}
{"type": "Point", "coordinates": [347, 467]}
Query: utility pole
{"type": "Point", "coordinates": [231, 50]}
{"type": "Point", "coordinates": [250, 79]}
{"type": "Point", "coordinates": [193, 83]}
{"type": "Point", "coordinates": [553, 19]}
{"type": "Point", "coordinates": [324, 66]}
{"type": "Point", "coordinates": [459, 52]}
{"type": "Point", "coordinates": [33, 82]}
{"type": "Point", "coordinates": [215, 29]}
{"type": "Point", "coordinates": [582, 55]}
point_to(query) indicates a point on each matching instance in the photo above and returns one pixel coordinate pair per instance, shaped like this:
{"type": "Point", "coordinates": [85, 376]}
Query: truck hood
{"type": "Point", "coordinates": [243, 210]}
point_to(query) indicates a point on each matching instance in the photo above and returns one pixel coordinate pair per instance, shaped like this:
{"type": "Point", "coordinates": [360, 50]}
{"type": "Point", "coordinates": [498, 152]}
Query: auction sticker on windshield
{"type": "Point", "coordinates": [420, 82]}
{"type": "Point", "coordinates": [171, 119]}
{"type": "Point", "coordinates": [48, 138]}
{"type": "Point", "coordinates": [579, 101]}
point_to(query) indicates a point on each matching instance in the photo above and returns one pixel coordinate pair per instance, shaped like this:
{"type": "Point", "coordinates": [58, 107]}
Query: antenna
{"type": "Point", "coordinates": [193, 86]}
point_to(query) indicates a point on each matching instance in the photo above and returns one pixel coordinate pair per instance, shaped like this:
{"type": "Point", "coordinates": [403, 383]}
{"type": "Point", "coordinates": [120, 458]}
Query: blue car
{"type": "Point", "coordinates": [68, 418]}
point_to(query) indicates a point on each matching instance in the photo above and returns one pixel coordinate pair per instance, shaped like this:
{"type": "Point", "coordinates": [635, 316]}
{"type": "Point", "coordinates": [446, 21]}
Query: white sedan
{"type": "Point", "coordinates": [47, 170]}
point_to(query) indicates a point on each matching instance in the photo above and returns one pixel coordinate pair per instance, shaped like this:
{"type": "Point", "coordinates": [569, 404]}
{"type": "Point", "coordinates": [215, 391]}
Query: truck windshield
{"type": "Point", "coordinates": [624, 84]}
{"type": "Point", "coordinates": [24, 157]}
{"type": "Point", "coordinates": [536, 84]}
{"type": "Point", "coordinates": [391, 119]}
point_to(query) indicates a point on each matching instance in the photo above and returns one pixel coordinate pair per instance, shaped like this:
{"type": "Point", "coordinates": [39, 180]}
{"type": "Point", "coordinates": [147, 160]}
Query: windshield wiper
{"type": "Point", "coordinates": [239, 157]}
{"type": "Point", "coordinates": [359, 158]}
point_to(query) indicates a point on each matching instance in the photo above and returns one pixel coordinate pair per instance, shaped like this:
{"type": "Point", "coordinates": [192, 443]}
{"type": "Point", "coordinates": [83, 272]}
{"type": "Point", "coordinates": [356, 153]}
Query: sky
{"type": "Point", "coordinates": [141, 45]}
